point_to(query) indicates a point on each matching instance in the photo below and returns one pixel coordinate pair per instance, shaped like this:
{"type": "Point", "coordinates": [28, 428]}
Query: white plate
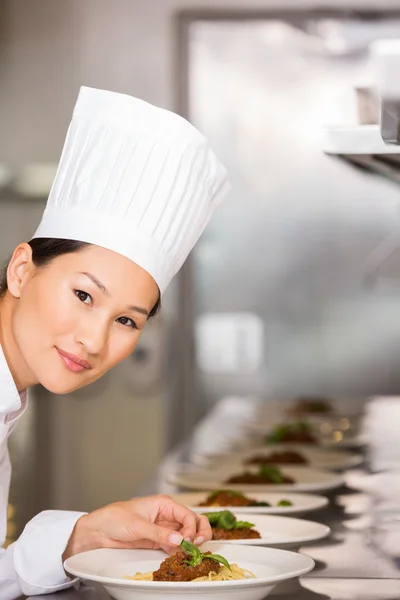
{"type": "Point", "coordinates": [317, 457]}
{"type": "Point", "coordinates": [280, 532]}
{"type": "Point", "coordinates": [302, 503]}
{"type": "Point", "coordinates": [306, 480]}
{"type": "Point", "coordinates": [108, 567]}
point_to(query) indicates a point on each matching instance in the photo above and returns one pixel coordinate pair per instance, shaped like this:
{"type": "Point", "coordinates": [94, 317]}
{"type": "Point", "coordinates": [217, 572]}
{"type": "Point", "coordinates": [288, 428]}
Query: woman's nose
{"type": "Point", "coordinates": [93, 336]}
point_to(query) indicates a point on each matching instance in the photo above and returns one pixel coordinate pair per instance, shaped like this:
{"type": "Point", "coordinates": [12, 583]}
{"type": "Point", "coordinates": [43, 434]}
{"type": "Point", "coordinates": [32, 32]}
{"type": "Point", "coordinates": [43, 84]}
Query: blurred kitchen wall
{"type": "Point", "coordinates": [104, 441]}
{"type": "Point", "coordinates": [101, 444]}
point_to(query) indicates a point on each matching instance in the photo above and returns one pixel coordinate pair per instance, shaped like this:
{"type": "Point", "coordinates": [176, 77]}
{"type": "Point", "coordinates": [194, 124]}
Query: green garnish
{"type": "Point", "coordinates": [280, 431]}
{"type": "Point", "coordinates": [197, 557]}
{"type": "Point", "coordinates": [285, 503]}
{"type": "Point", "coordinates": [224, 519]}
{"type": "Point", "coordinates": [255, 503]}
{"type": "Point", "coordinates": [272, 473]}
{"type": "Point", "coordinates": [243, 525]}
{"type": "Point", "coordinates": [276, 435]}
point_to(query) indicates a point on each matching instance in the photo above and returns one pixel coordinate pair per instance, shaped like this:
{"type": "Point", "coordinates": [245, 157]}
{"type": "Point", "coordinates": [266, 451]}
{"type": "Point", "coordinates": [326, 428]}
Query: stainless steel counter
{"type": "Point", "coordinates": [311, 589]}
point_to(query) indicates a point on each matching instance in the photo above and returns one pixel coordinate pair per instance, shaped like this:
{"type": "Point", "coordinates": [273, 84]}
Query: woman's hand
{"type": "Point", "coordinates": [151, 522]}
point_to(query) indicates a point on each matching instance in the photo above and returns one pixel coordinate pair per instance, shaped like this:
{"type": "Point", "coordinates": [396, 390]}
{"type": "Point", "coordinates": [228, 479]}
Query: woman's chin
{"type": "Point", "coordinates": [61, 387]}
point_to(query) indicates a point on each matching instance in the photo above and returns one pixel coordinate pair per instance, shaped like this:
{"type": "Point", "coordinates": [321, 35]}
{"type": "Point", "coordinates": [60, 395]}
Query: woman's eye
{"type": "Point", "coordinates": [127, 321]}
{"type": "Point", "coordinates": [83, 296]}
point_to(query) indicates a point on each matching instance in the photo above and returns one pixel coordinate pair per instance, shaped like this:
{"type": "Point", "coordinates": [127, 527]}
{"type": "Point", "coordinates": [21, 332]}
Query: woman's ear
{"type": "Point", "coordinates": [20, 269]}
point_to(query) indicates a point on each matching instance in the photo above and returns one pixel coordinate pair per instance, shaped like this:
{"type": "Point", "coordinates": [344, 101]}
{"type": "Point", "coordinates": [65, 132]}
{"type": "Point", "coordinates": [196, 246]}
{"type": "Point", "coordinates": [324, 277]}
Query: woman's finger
{"type": "Point", "coordinates": [140, 529]}
{"type": "Point", "coordinates": [204, 531]}
{"type": "Point", "coordinates": [175, 512]}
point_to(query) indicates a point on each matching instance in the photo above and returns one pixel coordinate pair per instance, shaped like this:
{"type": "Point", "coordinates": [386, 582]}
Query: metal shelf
{"type": "Point", "coordinates": [364, 147]}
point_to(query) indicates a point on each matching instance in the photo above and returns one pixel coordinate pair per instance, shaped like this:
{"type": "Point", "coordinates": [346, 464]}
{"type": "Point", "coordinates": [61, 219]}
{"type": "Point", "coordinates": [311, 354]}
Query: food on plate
{"type": "Point", "coordinates": [312, 405]}
{"type": "Point", "coordinates": [225, 526]}
{"type": "Point", "coordinates": [286, 457]}
{"type": "Point", "coordinates": [297, 432]}
{"type": "Point", "coordinates": [190, 564]}
{"type": "Point", "coordinates": [232, 498]}
{"type": "Point", "coordinates": [285, 503]}
{"type": "Point", "coordinates": [229, 498]}
{"type": "Point", "coordinates": [265, 474]}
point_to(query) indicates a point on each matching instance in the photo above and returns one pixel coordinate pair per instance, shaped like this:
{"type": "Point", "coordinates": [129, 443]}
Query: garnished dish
{"type": "Point", "coordinates": [263, 530]}
{"type": "Point", "coordinates": [298, 432]}
{"type": "Point", "coordinates": [190, 564]}
{"type": "Point", "coordinates": [232, 498]}
{"type": "Point", "coordinates": [225, 526]}
{"type": "Point", "coordinates": [287, 457]}
{"type": "Point", "coordinates": [312, 406]}
{"type": "Point", "coordinates": [265, 474]}
{"type": "Point", "coordinates": [254, 571]}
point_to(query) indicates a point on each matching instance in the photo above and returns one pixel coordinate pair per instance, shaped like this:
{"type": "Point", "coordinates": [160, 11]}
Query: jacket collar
{"type": "Point", "coordinates": [11, 400]}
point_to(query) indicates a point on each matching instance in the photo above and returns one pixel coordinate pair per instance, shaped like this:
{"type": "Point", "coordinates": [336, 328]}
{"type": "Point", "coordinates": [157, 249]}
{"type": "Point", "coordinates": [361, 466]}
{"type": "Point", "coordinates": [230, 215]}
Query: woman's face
{"type": "Point", "coordinates": [76, 318]}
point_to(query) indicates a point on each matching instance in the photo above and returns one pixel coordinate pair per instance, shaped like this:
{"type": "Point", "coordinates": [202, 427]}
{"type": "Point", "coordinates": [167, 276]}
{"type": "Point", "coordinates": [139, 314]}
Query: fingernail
{"type": "Point", "coordinates": [175, 539]}
{"type": "Point", "coordinates": [199, 540]}
{"type": "Point", "coordinates": [188, 540]}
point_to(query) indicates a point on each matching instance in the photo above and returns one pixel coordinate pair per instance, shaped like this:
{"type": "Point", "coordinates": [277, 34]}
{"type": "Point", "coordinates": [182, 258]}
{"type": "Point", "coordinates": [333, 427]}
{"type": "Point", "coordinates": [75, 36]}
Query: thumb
{"type": "Point", "coordinates": [163, 536]}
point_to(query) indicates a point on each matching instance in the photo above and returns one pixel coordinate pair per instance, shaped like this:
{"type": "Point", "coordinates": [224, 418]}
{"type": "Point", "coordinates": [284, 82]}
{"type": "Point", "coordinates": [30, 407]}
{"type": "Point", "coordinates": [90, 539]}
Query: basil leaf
{"type": "Point", "coordinates": [223, 519]}
{"type": "Point", "coordinates": [285, 503]}
{"type": "Point", "coordinates": [213, 517]}
{"type": "Point", "coordinates": [244, 525]}
{"type": "Point", "coordinates": [280, 431]}
{"type": "Point", "coordinates": [271, 473]}
{"type": "Point", "coordinates": [218, 558]}
{"type": "Point", "coordinates": [276, 434]}
{"type": "Point", "coordinates": [193, 552]}
{"type": "Point", "coordinates": [189, 548]}
{"type": "Point", "coordinates": [226, 520]}
{"type": "Point", "coordinates": [255, 503]}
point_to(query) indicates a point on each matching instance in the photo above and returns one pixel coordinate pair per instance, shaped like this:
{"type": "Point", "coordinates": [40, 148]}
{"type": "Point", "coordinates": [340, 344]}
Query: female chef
{"type": "Point", "coordinates": [135, 188]}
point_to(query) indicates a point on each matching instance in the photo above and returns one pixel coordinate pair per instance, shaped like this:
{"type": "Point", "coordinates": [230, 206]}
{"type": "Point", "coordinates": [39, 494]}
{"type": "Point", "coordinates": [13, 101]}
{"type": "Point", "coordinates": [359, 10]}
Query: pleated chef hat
{"type": "Point", "coordinates": [136, 179]}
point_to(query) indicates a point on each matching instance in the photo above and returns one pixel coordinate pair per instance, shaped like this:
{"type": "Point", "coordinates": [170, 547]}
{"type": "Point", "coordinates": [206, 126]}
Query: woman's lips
{"type": "Point", "coordinates": [72, 362]}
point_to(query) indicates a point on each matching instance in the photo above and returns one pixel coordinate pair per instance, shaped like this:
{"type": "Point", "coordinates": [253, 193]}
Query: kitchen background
{"type": "Point", "coordinates": [273, 302]}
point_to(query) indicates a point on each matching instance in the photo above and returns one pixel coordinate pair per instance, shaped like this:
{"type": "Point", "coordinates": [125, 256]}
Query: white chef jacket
{"type": "Point", "coordinates": [32, 565]}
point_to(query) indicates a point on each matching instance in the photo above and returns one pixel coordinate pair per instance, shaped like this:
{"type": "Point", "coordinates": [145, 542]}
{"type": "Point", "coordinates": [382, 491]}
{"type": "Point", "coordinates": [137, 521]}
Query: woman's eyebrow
{"type": "Point", "coordinates": [94, 279]}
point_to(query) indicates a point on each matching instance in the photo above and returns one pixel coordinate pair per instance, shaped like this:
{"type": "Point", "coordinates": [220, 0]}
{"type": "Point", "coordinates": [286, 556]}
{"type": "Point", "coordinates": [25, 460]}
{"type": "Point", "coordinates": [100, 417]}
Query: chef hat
{"type": "Point", "coordinates": [136, 179]}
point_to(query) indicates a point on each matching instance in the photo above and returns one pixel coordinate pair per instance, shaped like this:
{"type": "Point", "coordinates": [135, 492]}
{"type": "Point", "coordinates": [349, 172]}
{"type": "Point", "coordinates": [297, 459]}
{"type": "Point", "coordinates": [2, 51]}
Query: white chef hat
{"type": "Point", "coordinates": [136, 179]}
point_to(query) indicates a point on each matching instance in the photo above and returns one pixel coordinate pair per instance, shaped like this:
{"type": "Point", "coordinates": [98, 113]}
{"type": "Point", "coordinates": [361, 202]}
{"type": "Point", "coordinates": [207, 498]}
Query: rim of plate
{"type": "Point", "coordinates": [311, 452]}
{"type": "Point", "coordinates": [308, 565]}
{"type": "Point", "coordinates": [327, 480]}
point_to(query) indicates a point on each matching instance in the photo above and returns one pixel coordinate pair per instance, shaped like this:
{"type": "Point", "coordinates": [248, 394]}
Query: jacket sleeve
{"type": "Point", "coordinates": [33, 564]}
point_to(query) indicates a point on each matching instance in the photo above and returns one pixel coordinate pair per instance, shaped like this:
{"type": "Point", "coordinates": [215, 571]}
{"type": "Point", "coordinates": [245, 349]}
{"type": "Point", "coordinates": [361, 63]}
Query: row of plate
{"type": "Point", "coordinates": [273, 557]}
{"type": "Point", "coordinates": [323, 473]}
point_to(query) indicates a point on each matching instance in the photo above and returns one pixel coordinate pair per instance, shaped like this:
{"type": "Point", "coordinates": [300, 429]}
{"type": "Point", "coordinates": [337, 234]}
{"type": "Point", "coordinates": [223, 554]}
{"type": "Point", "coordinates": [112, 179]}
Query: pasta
{"type": "Point", "coordinates": [224, 575]}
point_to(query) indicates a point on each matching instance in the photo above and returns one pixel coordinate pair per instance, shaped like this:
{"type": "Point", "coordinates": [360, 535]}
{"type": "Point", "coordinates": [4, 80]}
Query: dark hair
{"type": "Point", "coordinates": [44, 250]}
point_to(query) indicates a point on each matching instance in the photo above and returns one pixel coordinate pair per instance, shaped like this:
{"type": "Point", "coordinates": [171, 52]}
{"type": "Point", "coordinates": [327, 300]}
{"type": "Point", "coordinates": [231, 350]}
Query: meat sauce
{"type": "Point", "coordinates": [255, 478]}
{"type": "Point", "coordinates": [278, 458]}
{"type": "Point", "coordinates": [312, 405]}
{"type": "Point", "coordinates": [226, 498]}
{"type": "Point", "coordinates": [174, 568]}
{"type": "Point", "coordinates": [218, 533]}
{"type": "Point", "coordinates": [298, 436]}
